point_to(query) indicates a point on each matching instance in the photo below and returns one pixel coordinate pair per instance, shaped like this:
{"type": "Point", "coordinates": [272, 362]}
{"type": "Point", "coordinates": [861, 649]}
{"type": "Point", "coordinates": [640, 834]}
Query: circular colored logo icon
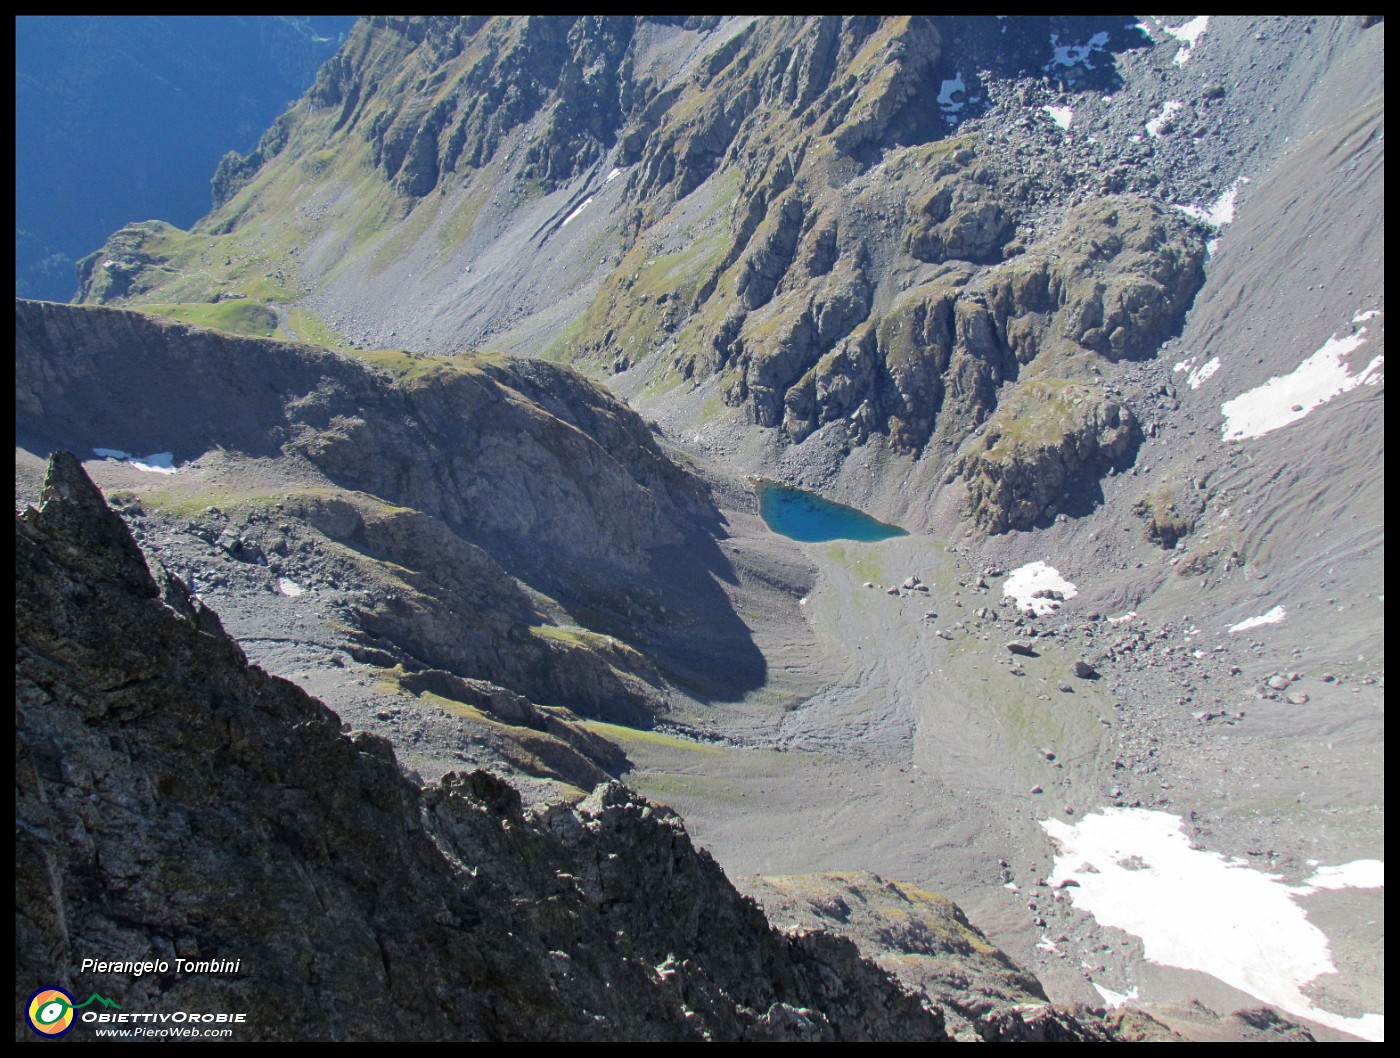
{"type": "Point", "coordinates": [50, 1012]}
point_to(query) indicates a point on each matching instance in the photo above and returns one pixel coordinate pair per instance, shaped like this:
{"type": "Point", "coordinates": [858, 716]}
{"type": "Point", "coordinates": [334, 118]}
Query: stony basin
{"type": "Point", "coordinates": [810, 518]}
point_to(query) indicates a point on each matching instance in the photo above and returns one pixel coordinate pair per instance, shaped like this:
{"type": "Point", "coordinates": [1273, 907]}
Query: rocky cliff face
{"type": "Point", "coordinates": [791, 217]}
{"type": "Point", "coordinates": [438, 491]}
{"type": "Point", "coordinates": [925, 941]}
{"type": "Point", "coordinates": [174, 801]}
{"type": "Point", "coordinates": [570, 476]}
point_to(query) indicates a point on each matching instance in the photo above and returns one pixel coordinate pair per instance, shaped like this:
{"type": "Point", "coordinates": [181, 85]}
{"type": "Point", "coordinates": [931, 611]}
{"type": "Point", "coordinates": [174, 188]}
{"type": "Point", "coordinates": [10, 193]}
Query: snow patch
{"type": "Point", "coordinates": [1156, 126]}
{"type": "Point", "coordinates": [1126, 617]}
{"type": "Point", "coordinates": [1222, 211]}
{"type": "Point", "coordinates": [1061, 116]}
{"type": "Point", "coordinates": [155, 463]}
{"type": "Point", "coordinates": [1285, 399]}
{"type": "Point", "coordinates": [1198, 910]}
{"type": "Point", "coordinates": [1196, 377]}
{"type": "Point", "coordinates": [1074, 54]}
{"type": "Point", "coordinates": [1187, 33]}
{"type": "Point", "coordinates": [1113, 999]}
{"type": "Point", "coordinates": [1273, 617]}
{"type": "Point", "coordinates": [1023, 583]}
{"type": "Point", "coordinates": [1358, 874]}
{"type": "Point", "coordinates": [947, 91]}
{"type": "Point", "coordinates": [289, 588]}
{"type": "Point", "coordinates": [1362, 317]}
{"type": "Point", "coordinates": [612, 176]}
{"type": "Point", "coordinates": [581, 207]}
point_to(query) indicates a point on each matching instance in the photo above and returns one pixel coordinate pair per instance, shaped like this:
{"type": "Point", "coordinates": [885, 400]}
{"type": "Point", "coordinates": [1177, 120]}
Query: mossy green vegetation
{"type": "Point", "coordinates": [239, 316]}
{"type": "Point", "coordinates": [1167, 519]}
{"type": "Point", "coordinates": [308, 327]}
{"type": "Point", "coordinates": [665, 787]}
{"type": "Point", "coordinates": [865, 566]}
{"type": "Point", "coordinates": [406, 366]}
{"type": "Point", "coordinates": [641, 302]}
{"type": "Point", "coordinates": [631, 737]}
{"type": "Point", "coordinates": [187, 495]}
{"type": "Point", "coordinates": [1039, 414]}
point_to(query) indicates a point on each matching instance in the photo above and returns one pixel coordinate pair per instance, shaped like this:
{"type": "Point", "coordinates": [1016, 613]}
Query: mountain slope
{"type": "Point", "coordinates": [175, 802]}
{"type": "Point", "coordinates": [1093, 307]}
{"type": "Point", "coordinates": [425, 515]}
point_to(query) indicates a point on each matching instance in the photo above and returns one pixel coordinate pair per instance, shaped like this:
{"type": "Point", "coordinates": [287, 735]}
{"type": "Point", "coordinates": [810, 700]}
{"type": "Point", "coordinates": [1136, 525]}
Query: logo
{"type": "Point", "coordinates": [51, 1010]}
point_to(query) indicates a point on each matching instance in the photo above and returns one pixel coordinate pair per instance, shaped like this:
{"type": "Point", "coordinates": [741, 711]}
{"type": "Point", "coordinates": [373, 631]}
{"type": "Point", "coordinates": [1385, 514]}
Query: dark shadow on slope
{"type": "Point", "coordinates": [109, 378]}
{"type": "Point", "coordinates": [560, 485]}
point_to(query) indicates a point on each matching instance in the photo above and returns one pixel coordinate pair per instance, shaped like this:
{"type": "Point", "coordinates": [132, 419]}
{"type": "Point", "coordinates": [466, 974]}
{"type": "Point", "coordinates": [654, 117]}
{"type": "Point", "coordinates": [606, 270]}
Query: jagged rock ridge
{"type": "Point", "coordinates": [172, 800]}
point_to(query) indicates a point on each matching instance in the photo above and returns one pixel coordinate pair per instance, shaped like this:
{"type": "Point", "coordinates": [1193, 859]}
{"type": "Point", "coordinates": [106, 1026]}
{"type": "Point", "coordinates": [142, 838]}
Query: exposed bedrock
{"type": "Point", "coordinates": [454, 439]}
{"type": "Point", "coordinates": [1048, 436]}
{"type": "Point", "coordinates": [171, 797]}
{"type": "Point", "coordinates": [453, 485]}
{"type": "Point", "coordinates": [1114, 282]}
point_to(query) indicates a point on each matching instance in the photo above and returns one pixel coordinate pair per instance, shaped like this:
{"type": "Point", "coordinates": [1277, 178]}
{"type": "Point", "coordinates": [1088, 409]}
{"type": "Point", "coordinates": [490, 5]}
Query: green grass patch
{"type": "Point", "coordinates": [192, 496]}
{"type": "Point", "coordinates": [457, 226]}
{"type": "Point", "coordinates": [1040, 413]}
{"type": "Point", "coordinates": [309, 327]}
{"type": "Point", "coordinates": [642, 301]}
{"type": "Point", "coordinates": [239, 316]}
{"type": "Point", "coordinates": [407, 366]}
{"type": "Point", "coordinates": [864, 567]}
{"type": "Point", "coordinates": [668, 786]}
{"type": "Point", "coordinates": [187, 504]}
{"type": "Point", "coordinates": [631, 736]}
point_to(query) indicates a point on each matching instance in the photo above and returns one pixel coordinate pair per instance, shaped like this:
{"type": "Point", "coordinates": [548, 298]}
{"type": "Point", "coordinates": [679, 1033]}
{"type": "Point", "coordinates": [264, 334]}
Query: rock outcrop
{"type": "Point", "coordinates": [174, 802]}
{"type": "Point", "coordinates": [446, 474]}
{"type": "Point", "coordinates": [1048, 436]}
{"type": "Point", "coordinates": [925, 941]}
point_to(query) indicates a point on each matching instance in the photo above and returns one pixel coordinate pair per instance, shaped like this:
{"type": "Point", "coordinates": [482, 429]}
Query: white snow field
{"type": "Point", "coordinates": [1135, 870]}
{"type": "Point", "coordinates": [1022, 584]}
{"type": "Point", "coordinates": [1272, 617]}
{"type": "Point", "coordinates": [1285, 399]}
{"type": "Point", "coordinates": [156, 463]}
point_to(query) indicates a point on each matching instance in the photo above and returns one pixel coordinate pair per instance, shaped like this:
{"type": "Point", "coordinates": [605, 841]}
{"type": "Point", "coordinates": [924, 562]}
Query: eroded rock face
{"type": "Point", "coordinates": [1036, 445]}
{"type": "Point", "coordinates": [575, 476]}
{"type": "Point", "coordinates": [799, 222]}
{"type": "Point", "coordinates": [447, 474]}
{"type": "Point", "coordinates": [925, 941]}
{"type": "Point", "coordinates": [173, 801]}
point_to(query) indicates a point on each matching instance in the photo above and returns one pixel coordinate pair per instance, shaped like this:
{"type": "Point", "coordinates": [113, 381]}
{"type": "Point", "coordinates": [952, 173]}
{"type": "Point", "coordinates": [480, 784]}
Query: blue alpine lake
{"type": "Point", "coordinates": [807, 517]}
